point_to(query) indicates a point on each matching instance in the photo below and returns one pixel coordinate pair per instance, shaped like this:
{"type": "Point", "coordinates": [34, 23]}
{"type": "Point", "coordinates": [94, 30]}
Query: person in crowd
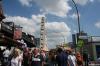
{"type": "Point", "coordinates": [6, 54]}
{"type": "Point", "coordinates": [1, 56]}
{"type": "Point", "coordinates": [43, 54]}
{"type": "Point", "coordinates": [52, 58]}
{"type": "Point", "coordinates": [26, 58]}
{"type": "Point", "coordinates": [85, 58]}
{"type": "Point", "coordinates": [72, 59]}
{"type": "Point", "coordinates": [30, 56]}
{"type": "Point", "coordinates": [79, 59]}
{"type": "Point", "coordinates": [1, 53]}
{"type": "Point", "coordinates": [37, 58]}
{"type": "Point", "coordinates": [17, 58]}
{"type": "Point", "coordinates": [61, 57]}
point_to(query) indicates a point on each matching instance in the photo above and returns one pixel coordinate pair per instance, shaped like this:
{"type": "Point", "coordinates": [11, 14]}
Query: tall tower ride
{"type": "Point", "coordinates": [43, 39]}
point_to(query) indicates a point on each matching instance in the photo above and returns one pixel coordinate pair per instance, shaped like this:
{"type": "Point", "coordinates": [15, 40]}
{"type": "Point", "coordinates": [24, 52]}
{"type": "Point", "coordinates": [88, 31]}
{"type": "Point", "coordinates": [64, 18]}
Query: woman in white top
{"type": "Point", "coordinates": [17, 58]}
{"type": "Point", "coordinates": [72, 59]}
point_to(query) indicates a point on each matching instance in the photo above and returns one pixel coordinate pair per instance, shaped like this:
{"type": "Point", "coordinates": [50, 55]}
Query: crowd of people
{"type": "Point", "coordinates": [36, 57]}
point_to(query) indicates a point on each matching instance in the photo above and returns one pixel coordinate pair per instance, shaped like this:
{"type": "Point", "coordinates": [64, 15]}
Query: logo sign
{"type": "Point", "coordinates": [18, 33]}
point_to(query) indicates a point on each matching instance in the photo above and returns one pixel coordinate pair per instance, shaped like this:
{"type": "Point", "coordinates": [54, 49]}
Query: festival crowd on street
{"type": "Point", "coordinates": [37, 57]}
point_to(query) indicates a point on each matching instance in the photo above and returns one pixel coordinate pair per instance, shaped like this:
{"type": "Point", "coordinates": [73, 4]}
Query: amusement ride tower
{"type": "Point", "coordinates": [43, 38]}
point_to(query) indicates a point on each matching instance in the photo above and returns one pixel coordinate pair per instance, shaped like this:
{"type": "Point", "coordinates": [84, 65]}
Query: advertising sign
{"type": "Point", "coordinates": [17, 33]}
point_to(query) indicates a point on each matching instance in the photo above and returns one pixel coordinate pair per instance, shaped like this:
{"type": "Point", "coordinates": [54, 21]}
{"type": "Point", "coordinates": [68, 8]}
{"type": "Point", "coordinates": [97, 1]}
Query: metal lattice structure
{"type": "Point", "coordinates": [43, 39]}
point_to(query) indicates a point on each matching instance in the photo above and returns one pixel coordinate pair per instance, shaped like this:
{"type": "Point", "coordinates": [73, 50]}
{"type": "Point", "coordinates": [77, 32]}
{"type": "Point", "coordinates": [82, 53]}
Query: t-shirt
{"type": "Point", "coordinates": [37, 60]}
{"type": "Point", "coordinates": [62, 59]}
{"type": "Point", "coordinates": [16, 61]}
{"type": "Point", "coordinates": [72, 60]}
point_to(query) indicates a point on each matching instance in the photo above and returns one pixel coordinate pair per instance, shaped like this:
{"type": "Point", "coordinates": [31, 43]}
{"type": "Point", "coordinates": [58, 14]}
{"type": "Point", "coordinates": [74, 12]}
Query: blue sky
{"type": "Point", "coordinates": [61, 20]}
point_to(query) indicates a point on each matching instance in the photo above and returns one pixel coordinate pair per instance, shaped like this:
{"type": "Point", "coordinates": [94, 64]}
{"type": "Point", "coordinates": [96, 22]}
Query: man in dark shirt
{"type": "Point", "coordinates": [61, 57]}
{"type": "Point", "coordinates": [85, 58]}
{"type": "Point", "coordinates": [37, 58]}
{"type": "Point", "coordinates": [26, 57]}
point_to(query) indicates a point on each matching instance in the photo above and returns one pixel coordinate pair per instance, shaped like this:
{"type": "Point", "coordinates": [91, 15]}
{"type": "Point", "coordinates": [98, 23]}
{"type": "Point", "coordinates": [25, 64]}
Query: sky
{"type": "Point", "coordinates": [60, 17]}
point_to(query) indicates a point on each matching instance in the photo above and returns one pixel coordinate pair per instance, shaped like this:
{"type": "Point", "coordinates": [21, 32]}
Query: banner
{"type": "Point", "coordinates": [17, 33]}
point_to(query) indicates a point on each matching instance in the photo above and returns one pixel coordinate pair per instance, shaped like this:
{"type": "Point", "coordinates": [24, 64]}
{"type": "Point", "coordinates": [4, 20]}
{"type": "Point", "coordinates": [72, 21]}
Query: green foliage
{"type": "Point", "coordinates": [80, 43]}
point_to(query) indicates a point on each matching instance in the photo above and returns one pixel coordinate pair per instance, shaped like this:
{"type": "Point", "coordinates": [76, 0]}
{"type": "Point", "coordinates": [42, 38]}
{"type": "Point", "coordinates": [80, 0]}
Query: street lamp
{"type": "Point", "coordinates": [77, 12]}
{"type": "Point", "coordinates": [78, 20]}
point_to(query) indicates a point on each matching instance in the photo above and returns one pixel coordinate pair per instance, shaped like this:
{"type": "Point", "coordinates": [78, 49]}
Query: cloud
{"type": "Point", "coordinates": [56, 31]}
{"type": "Point", "coordinates": [97, 24]}
{"type": "Point", "coordinates": [55, 7]}
{"type": "Point", "coordinates": [28, 24]}
{"type": "Point", "coordinates": [91, 0]}
{"type": "Point", "coordinates": [25, 2]}
{"type": "Point", "coordinates": [83, 2]}
{"type": "Point", "coordinates": [75, 31]}
{"type": "Point", "coordinates": [60, 26]}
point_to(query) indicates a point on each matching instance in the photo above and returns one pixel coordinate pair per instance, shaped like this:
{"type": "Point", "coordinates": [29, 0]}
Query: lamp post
{"type": "Point", "coordinates": [77, 12]}
{"type": "Point", "coordinates": [78, 21]}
